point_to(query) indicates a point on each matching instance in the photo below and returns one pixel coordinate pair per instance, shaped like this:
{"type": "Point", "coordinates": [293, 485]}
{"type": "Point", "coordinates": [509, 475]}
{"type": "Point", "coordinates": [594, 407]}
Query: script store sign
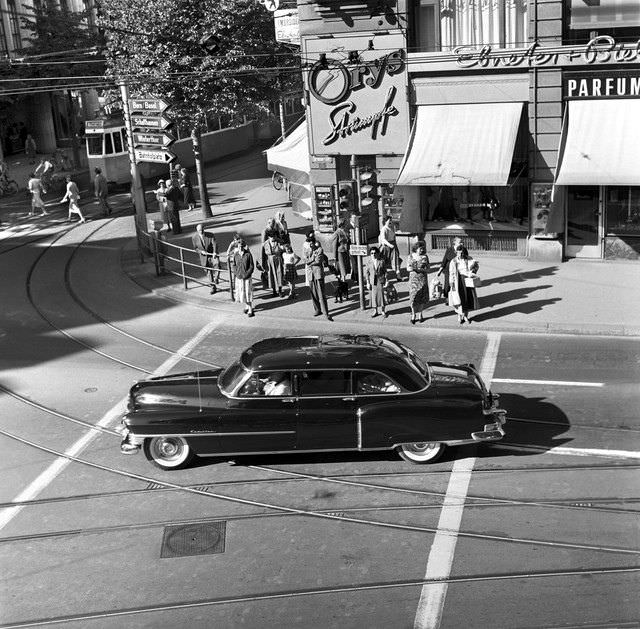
{"type": "Point", "coordinates": [357, 88]}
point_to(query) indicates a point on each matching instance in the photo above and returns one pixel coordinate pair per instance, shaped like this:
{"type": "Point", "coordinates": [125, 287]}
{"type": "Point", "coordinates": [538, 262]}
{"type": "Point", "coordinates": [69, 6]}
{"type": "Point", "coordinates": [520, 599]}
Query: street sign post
{"type": "Point", "coordinates": [158, 156]}
{"type": "Point", "coordinates": [149, 122]}
{"type": "Point", "coordinates": [161, 140]}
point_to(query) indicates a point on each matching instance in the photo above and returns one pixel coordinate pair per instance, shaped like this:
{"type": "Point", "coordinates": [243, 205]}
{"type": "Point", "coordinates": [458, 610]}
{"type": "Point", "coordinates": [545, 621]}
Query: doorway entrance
{"type": "Point", "coordinates": [584, 222]}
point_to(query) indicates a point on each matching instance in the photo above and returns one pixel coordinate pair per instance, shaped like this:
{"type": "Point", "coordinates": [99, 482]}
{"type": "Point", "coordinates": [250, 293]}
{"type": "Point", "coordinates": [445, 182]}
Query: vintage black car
{"type": "Point", "coordinates": [312, 394]}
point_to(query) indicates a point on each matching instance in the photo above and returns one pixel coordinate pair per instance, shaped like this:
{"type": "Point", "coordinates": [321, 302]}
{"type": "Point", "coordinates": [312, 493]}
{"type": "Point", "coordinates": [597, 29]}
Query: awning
{"type": "Point", "coordinates": [600, 143]}
{"type": "Point", "coordinates": [291, 156]}
{"type": "Point", "coordinates": [461, 145]}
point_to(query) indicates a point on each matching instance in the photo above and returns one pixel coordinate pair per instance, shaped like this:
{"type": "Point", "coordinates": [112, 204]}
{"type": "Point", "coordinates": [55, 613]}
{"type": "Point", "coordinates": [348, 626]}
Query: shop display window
{"type": "Point", "coordinates": [623, 210]}
{"type": "Point", "coordinates": [442, 25]}
{"type": "Point", "coordinates": [586, 19]}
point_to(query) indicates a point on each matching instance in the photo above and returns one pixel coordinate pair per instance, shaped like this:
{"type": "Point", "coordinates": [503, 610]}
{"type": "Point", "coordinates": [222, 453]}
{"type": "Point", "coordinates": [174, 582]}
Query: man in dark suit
{"type": "Point", "coordinates": [206, 247]}
{"type": "Point", "coordinates": [173, 196]}
{"type": "Point", "coordinates": [315, 258]}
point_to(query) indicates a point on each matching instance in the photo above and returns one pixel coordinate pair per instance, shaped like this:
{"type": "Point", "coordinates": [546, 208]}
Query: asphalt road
{"type": "Point", "coordinates": [537, 531]}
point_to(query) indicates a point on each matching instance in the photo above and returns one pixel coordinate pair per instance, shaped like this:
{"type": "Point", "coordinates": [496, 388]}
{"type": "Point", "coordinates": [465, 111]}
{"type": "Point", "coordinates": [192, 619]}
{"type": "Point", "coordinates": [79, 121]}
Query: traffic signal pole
{"type": "Point", "coordinates": [355, 219]}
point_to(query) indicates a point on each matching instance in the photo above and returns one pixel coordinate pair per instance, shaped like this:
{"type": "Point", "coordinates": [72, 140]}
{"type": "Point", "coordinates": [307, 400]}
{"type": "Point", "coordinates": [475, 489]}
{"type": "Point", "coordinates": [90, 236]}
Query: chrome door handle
{"type": "Point", "coordinates": [289, 400]}
{"type": "Point", "coordinates": [348, 399]}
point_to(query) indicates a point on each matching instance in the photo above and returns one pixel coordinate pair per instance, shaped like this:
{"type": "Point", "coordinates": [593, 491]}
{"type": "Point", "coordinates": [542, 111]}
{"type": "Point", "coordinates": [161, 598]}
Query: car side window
{"type": "Point", "coordinates": [274, 383]}
{"type": "Point", "coordinates": [322, 383]}
{"type": "Point", "coordinates": [374, 383]}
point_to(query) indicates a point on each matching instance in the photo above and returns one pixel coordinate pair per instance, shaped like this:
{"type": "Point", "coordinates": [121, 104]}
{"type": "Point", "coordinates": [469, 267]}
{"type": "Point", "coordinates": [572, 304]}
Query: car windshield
{"type": "Point", "coordinates": [231, 376]}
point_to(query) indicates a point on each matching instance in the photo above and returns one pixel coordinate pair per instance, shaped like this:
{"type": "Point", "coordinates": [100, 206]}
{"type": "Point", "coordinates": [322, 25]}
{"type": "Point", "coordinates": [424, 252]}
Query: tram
{"type": "Point", "coordinates": [107, 149]}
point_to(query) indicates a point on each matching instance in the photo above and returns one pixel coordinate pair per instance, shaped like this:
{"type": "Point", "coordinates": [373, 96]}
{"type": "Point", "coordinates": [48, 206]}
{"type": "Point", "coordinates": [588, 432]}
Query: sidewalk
{"type": "Point", "coordinates": [574, 297]}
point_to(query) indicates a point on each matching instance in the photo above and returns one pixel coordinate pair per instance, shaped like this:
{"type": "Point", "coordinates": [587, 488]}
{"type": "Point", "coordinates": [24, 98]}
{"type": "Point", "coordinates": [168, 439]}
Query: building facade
{"type": "Point", "coordinates": [513, 123]}
{"type": "Point", "coordinates": [49, 116]}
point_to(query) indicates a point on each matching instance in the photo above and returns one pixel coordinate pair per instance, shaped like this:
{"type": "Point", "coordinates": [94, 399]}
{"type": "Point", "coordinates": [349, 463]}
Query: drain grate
{"type": "Point", "coordinates": [185, 540]}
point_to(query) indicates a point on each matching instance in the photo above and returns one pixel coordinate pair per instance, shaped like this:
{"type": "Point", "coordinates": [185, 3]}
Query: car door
{"type": "Point", "coordinates": [261, 416]}
{"type": "Point", "coordinates": [327, 410]}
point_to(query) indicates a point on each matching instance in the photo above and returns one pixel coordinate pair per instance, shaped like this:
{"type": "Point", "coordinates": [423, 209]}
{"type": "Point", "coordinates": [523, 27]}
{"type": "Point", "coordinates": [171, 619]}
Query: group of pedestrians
{"type": "Point", "coordinates": [172, 195]}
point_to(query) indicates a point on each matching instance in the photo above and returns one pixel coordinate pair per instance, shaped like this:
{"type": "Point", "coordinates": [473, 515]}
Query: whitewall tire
{"type": "Point", "coordinates": [425, 452]}
{"type": "Point", "coordinates": [169, 452]}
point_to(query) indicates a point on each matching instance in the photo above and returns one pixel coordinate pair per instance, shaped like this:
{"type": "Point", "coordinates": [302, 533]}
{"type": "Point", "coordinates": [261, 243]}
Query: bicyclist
{"type": "Point", "coordinates": [44, 170]}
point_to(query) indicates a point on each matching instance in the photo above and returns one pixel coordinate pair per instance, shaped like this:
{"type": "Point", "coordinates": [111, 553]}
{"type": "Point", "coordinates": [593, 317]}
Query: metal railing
{"type": "Point", "coordinates": [184, 263]}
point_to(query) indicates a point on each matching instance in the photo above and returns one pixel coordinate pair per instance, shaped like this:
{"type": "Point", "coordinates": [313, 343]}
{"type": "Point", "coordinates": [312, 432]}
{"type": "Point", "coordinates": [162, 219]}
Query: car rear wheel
{"type": "Point", "coordinates": [425, 452]}
{"type": "Point", "coordinates": [168, 453]}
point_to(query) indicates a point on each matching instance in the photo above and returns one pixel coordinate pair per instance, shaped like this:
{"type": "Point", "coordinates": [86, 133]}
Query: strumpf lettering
{"type": "Point", "coordinates": [344, 124]}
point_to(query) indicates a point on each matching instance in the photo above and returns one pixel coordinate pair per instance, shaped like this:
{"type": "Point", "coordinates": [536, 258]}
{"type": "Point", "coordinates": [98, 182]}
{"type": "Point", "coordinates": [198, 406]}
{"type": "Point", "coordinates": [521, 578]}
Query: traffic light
{"type": "Point", "coordinates": [347, 196]}
{"type": "Point", "coordinates": [368, 190]}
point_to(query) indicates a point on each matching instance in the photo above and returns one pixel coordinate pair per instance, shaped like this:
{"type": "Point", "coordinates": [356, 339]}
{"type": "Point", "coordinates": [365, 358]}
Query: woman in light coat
{"type": "Point", "coordinates": [462, 297]}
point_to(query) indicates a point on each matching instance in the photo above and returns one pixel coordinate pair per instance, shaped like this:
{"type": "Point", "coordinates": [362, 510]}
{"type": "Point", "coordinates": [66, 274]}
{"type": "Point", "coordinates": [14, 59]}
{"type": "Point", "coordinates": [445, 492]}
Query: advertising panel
{"type": "Point", "coordinates": [357, 90]}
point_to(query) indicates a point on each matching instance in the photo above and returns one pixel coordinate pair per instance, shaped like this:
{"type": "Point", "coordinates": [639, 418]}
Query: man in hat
{"type": "Point", "coordinates": [315, 260]}
{"type": "Point", "coordinates": [101, 191]}
{"type": "Point", "coordinates": [206, 247]}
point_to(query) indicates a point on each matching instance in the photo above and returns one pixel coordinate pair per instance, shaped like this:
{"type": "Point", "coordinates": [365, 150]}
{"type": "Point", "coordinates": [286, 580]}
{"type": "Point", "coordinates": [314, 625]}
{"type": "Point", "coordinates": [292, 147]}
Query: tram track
{"type": "Point", "coordinates": [101, 320]}
{"type": "Point", "coordinates": [372, 586]}
{"type": "Point", "coordinates": [323, 515]}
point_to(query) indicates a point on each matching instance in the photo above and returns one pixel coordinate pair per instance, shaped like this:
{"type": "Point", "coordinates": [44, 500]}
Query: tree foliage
{"type": "Point", "coordinates": [156, 47]}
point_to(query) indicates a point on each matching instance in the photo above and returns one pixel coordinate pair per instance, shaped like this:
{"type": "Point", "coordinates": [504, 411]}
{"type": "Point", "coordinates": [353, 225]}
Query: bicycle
{"type": "Point", "coordinates": [277, 180]}
{"type": "Point", "coordinates": [61, 161]}
{"type": "Point", "coordinates": [8, 186]}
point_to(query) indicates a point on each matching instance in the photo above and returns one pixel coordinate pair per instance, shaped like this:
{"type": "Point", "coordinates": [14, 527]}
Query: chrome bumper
{"type": "Point", "coordinates": [130, 444]}
{"type": "Point", "coordinates": [495, 430]}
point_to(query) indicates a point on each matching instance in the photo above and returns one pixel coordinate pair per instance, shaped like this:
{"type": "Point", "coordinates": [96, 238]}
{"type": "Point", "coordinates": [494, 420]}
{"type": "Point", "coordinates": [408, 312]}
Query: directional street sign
{"type": "Point", "coordinates": [154, 139]}
{"type": "Point", "coordinates": [150, 122]}
{"type": "Point", "coordinates": [358, 250]}
{"type": "Point", "coordinates": [148, 105]}
{"type": "Point", "coordinates": [160, 156]}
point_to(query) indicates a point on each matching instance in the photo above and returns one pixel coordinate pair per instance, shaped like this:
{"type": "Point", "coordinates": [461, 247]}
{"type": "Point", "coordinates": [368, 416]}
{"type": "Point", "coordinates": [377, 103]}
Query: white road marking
{"type": "Point", "coordinates": [54, 469]}
{"type": "Point", "coordinates": [561, 383]}
{"type": "Point", "coordinates": [600, 452]}
{"type": "Point", "coordinates": [441, 555]}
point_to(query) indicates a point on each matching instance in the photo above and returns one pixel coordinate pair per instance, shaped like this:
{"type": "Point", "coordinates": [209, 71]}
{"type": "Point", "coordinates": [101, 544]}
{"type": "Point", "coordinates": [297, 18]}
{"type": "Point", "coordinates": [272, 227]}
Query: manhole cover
{"type": "Point", "coordinates": [193, 539]}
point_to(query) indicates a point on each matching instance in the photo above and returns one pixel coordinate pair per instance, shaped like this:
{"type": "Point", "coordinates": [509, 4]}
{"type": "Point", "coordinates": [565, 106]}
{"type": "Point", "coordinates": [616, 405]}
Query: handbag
{"type": "Point", "coordinates": [472, 282]}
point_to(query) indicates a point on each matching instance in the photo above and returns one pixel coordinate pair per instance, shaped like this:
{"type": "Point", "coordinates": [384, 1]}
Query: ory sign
{"type": "Point", "coordinates": [332, 81]}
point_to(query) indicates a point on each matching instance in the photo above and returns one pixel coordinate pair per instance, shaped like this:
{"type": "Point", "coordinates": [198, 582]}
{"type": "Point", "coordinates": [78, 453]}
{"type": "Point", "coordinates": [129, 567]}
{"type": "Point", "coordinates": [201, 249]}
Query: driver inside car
{"type": "Point", "coordinates": [277, 384]}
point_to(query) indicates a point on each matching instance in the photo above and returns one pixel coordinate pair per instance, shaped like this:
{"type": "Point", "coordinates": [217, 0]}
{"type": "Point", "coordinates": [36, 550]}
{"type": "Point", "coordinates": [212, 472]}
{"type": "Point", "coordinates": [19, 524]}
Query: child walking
{"type": "Point", "coordinates": [290, 260]}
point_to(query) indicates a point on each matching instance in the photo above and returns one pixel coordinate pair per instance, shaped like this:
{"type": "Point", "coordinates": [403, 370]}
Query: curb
{"type": "Point", "coordinates": [144, 276]}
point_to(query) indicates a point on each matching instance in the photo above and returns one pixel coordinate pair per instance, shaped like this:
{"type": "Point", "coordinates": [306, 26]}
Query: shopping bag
{"type": "Point", "coordinates": [436, 288]}
{"type": "Point", "coordinates": [472, 282]}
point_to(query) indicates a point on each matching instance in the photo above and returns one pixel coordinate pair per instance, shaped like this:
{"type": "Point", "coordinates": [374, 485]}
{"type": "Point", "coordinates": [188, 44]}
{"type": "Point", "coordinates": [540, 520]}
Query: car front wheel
{"type": "Point", "coordinates": [168, 453]}
{"type": "Point", "coordinates": [425, 452]}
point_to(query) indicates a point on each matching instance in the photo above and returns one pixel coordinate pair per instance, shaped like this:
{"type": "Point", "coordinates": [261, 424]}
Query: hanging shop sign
{"type": "Point", "coordinates": [287, 26]}
{"type": "Point", "coordinates": [623, 84]}
{"type": "Point", "coordinates": [357, 95]}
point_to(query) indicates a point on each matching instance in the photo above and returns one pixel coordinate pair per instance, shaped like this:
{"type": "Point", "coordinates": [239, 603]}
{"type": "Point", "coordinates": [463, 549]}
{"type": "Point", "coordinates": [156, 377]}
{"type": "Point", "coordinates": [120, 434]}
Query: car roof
{"type": "Point", "coordinates": [333, 351]}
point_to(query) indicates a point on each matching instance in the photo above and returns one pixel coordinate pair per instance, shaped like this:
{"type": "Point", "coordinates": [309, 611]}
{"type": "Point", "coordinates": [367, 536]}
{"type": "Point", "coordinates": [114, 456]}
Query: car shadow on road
{"type": "Point", "coordinates": [534, 426]}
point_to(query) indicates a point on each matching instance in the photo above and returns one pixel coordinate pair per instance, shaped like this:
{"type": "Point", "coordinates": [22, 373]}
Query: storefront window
{"type": "Point", "coordinates": [594, 15]}
{"type": "Point", "coordinates": [623, 210]}
{"type": "Point", "coordinates": [584, 19]}
{"type": "Point", "coordinates": [442, 25]}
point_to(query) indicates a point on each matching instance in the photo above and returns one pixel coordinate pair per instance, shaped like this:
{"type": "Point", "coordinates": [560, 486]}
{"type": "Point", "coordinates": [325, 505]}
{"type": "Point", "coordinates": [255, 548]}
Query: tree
{"type": "Point", "coordinates": [200, 56]}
